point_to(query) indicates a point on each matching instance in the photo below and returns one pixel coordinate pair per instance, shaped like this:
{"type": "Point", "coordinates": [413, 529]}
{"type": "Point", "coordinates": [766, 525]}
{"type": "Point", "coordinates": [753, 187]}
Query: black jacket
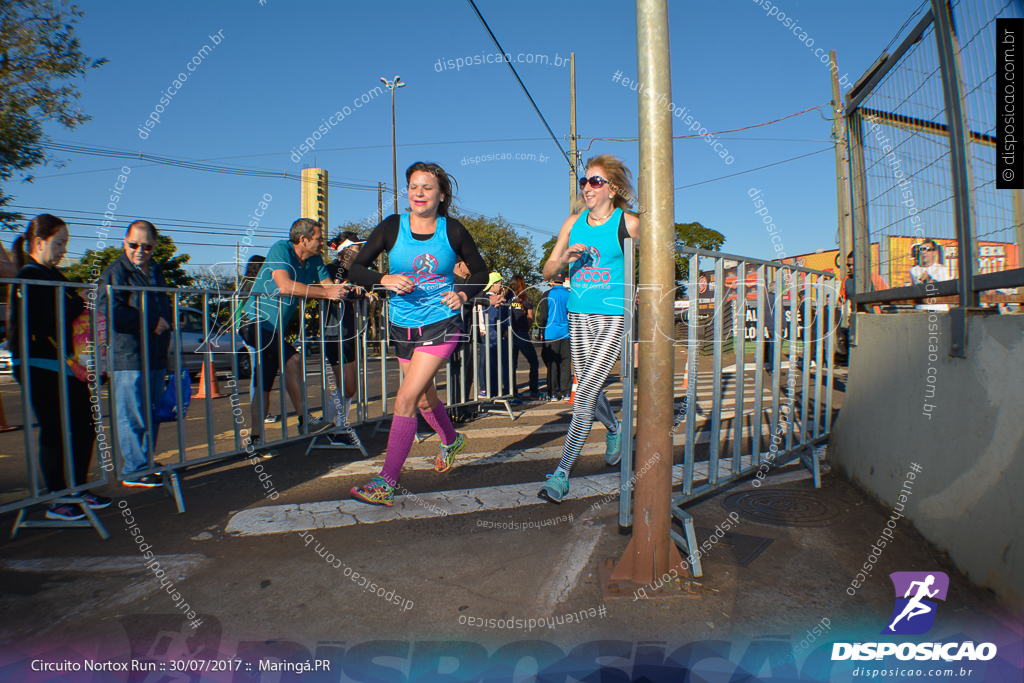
{"type": "Point", "coordinates": [42, 314]}
{"type": "Point", "coordinates": [126, 344]}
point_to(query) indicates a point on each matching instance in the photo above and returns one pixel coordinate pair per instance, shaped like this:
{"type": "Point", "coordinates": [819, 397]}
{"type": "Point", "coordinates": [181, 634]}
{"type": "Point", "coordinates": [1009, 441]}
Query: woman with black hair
{"type": "Point", "coordinates": [423, 247]}
{"type": "Point", "coordinates": [36, 254]}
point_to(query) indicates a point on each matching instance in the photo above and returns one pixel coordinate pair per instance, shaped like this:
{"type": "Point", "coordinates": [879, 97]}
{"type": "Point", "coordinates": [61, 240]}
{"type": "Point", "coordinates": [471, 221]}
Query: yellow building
{"type": "Point", "coordinates": [314, 195]}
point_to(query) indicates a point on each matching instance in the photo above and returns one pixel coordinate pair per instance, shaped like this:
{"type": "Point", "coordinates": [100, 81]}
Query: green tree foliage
{"type": "Point", "coordinates": [94, 262]}
{"type": "Point", "coordinates": [547, 248]}
{"type": "Point", "coordinates": [504, 250]}
{"type": "Point", "coordinates": [40, 59]}
{"type": "Point", "coordinates": [697, 236]}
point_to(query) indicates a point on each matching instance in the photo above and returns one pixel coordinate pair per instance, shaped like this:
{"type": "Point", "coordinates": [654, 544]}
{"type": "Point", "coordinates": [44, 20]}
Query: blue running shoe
{"type": "Point", "coordinates": [555, 488]}
{"type": "Point", "coordinates": [613, 446]}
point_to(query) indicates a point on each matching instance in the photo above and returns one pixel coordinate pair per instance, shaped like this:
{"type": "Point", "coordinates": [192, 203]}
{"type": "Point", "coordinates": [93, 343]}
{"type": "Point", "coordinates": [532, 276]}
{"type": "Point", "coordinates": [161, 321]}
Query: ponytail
{"type": "Point", "coordinates": [18, 254]}
{"type": "Point", "coordinates": [43, 227]}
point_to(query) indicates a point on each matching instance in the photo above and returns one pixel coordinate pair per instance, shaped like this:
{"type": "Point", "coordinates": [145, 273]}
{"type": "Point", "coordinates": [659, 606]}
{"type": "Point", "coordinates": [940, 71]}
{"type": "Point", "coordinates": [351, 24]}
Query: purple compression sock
{"type": "Point", "coordinates": [403, 432]}
{"type": "Point", "coordinates": [437, 417]}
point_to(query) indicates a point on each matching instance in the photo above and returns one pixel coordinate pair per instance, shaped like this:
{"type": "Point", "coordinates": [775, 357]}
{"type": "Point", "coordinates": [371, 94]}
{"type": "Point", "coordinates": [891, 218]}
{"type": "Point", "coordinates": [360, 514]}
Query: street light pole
{"type": "Point", "coordinates": [393, 86]}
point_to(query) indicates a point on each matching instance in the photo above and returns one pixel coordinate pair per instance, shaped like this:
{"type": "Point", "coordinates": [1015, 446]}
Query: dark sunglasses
{"type": "Point", "coordinates": [145, 247]}
{"type": "Point", "coordinates": [595, 181]}
{"type": "Point", "coordinates": [928, 249]}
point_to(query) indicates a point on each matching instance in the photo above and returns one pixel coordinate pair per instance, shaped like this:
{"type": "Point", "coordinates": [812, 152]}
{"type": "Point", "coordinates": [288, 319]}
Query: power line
{"type": "Point", "coordinates": [759, 168]}
{"type": "Point", "coordinates": [722, 132]}
{"type": "Point", "coordinates": [521, 85]}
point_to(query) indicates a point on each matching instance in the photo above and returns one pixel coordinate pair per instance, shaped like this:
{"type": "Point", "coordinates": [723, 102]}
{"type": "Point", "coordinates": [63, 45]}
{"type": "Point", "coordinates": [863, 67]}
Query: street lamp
{"type": "Point", "coordinates": [392, 86]}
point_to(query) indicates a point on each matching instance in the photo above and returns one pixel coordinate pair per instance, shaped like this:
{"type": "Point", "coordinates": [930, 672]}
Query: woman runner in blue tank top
{"type": "Point", "coordinates": [590, 243]}
{"type": "Point", "coordinates": [423, 247]}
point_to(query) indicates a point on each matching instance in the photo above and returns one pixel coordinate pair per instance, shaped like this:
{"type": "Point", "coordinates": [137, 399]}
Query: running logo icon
{"type": "Point", "coordinates": [913, 614]}
{"type": "Point", "coordinates": [591, 258]}
{"type": "Point", "coordinates": [425, 263]}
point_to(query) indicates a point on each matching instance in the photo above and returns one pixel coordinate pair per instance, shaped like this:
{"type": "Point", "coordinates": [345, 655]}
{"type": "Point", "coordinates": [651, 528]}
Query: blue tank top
{"type": "Point", "coordinates": [430, 265]}
{"type": "Point", "coordinates": [597, 277]}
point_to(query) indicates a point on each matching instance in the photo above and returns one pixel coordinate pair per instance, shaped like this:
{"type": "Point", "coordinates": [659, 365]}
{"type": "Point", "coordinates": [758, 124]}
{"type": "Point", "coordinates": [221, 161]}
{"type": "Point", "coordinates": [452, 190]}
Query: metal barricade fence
{"type": "Point", "coordinates": [218, 346]}
{"type": "Point", "coordinates": [746, 435]}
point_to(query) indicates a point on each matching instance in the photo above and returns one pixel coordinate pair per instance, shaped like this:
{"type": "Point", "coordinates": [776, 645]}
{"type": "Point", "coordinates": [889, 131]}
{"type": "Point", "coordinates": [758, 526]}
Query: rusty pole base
{"type": "Point", "coordinates": [615, 589]}
{"type": "Point", "coordinates": [622, 581]}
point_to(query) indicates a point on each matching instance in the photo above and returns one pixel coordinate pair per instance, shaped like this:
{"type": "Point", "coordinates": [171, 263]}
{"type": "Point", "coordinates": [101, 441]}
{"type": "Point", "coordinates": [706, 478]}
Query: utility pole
{"type": "Point", "coordinates": [845, 226]}
{"type": "Point", "coordinates": [651, 552]}
{"type": "Point", "coordinates": [380, 202]}
{"type": "Point", "coordinates": [393, 86]}
{"type": "Point", "coordinates": [237, 266]}
{"type": "Point", "coordinates": [573, 179]}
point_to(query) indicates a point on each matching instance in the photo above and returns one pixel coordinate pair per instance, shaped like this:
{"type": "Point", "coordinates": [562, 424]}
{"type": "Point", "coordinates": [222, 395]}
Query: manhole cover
{"type": "Point", "coordinates": [783, 507]}
{"type": "Point", "coordinates": [735, 549]}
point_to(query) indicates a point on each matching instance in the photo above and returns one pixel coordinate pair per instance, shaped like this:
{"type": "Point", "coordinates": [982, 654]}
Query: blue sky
{"type": "Point", "coordinates": [283, 67]}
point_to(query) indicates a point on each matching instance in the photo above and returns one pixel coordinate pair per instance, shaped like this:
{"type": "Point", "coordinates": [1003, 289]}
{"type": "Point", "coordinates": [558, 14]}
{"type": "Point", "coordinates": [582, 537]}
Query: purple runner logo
{"type": "Point", "coordinates": [914, 615]}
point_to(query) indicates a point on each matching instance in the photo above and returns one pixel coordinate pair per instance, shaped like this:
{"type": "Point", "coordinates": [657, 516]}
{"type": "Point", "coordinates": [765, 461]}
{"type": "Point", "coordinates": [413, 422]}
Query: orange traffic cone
{"type": "Point", "coordinates": [202, 384]}
{"type": "Point", "coordinates": [686, 375]}
{"type": "Point", "coordinates": [572, 394]}
{"type": "Point", "coordinates": [3, 418]}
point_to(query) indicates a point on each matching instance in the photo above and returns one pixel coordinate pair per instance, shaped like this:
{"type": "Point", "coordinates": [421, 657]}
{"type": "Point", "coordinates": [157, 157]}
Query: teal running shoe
{"type": "Point", "coordinates": [555, 488]}
{"type": "Point", "coordinates": [613, 446]}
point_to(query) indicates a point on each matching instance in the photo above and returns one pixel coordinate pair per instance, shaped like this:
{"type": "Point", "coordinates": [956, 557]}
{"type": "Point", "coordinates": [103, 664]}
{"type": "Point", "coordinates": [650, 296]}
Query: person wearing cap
{"type": "Point", "coordinates": [496, 321]}
{"type": "Point", "coordinates": [340, 331]}
{"type": "Point", "coordinates": [553, 320]}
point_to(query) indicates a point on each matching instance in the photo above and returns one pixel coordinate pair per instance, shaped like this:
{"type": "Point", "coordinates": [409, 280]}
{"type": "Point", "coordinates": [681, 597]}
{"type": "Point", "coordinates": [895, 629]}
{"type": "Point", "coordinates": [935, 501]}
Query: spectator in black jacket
{"type": "Point", "coordinates": [340, 330]}
{"type": "Point", "coordinates": [36, 254]}
{"type": "Point", "coordinates": [135, 268]}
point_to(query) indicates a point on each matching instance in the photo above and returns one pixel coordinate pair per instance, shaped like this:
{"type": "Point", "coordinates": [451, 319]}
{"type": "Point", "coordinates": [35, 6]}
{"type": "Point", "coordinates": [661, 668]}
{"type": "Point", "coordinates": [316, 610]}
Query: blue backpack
{"type": "Point", "coordinates": [167, 407]}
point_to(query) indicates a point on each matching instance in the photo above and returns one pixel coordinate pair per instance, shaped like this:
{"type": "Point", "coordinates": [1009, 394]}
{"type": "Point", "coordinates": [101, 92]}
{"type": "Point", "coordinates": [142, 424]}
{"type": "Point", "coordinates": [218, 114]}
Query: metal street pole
{"type": "Point", "coordinates": [573, 179]}
{"type": "Point", "coordinates": [394, 154]}
{"type": "Point", "coordinates": [842, 170]}
{"type": "Point", "coordinates": [651, 552]}
{"type": "Point", "coordinates": [393, 86]}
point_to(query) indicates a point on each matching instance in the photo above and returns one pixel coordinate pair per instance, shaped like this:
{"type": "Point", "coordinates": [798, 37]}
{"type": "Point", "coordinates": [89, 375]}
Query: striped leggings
{"type": "Point", "coordinates": [596, 341]}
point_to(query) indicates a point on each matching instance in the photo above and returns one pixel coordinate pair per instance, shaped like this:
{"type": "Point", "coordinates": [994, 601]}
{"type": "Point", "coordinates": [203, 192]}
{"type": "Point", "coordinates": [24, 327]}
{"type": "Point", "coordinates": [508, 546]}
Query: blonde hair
{"type": "Point", "coordinates": [616, 173]}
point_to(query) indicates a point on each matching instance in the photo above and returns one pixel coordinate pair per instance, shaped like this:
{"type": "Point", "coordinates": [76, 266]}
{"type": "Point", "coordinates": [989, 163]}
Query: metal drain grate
{"type": "Point", "coordinates": [783, 507]}
{"type": "Point", "coordinates": [736, 549]}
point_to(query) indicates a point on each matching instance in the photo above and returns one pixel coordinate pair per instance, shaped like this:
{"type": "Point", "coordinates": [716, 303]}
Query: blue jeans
{"type": "Point", "coordinates": [131, 421]}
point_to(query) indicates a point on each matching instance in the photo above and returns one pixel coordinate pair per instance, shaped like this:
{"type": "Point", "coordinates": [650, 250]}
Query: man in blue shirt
{"type": "Point", "coordinates": [553, 320]}
{"type": "Point", "coordinates": [294, 269]}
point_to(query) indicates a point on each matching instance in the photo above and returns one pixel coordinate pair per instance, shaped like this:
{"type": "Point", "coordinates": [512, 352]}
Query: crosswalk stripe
{"type": "Point", "coordinates": [280, 519]}
{"type": "Point", "coordinates": [372, 467]}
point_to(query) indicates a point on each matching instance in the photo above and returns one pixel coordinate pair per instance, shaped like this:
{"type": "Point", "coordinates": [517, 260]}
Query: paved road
{"type": "Point", "coordinates": [258, 570]}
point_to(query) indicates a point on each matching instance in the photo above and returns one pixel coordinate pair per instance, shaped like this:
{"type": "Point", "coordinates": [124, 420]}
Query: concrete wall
{"type": "Point", "coordinates": [969, 497]}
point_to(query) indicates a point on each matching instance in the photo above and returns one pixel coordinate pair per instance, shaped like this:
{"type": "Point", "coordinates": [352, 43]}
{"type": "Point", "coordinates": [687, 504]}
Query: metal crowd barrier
{"type": "Point", "coordinates": [219, 336]}
{"type": "Point", "coordinates": [755, 436]}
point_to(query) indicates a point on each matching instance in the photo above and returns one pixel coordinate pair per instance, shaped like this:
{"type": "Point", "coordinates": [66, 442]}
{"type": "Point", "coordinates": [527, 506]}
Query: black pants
{"type": "Point", "coordinates": [463, 366]}
{"type": "Point", "coordinates": [523, 346]}
{"type": "Point", "coordinates": [497, 346]}
{"type": "Point", "coordinates": [46, 404]}
{"type": "Point", "coordinates": [557, 354]}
